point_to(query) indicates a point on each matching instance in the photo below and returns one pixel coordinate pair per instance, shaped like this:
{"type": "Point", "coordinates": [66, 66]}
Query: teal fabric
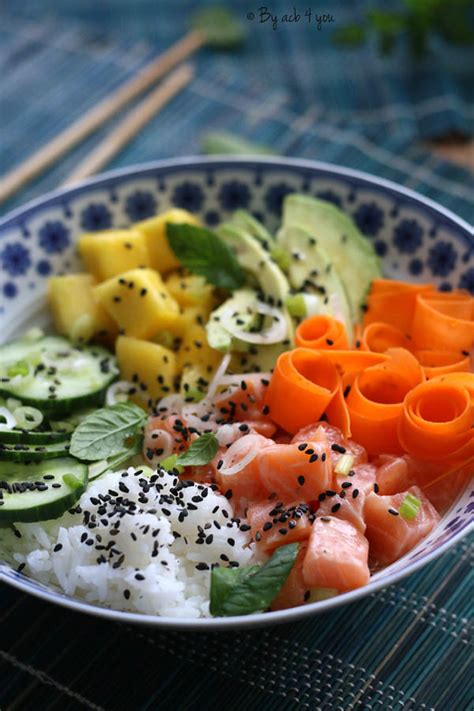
{"type": "Point", "coordinates": [407, 647]}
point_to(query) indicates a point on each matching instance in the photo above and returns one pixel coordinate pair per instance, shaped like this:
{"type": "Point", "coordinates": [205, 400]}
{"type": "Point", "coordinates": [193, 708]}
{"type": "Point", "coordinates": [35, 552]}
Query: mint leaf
{"type": "Point", "coordinates": [247, 591]}
{"type": "Point", "coordinates": [201, 451]}
{"type": "Point", "coordinates": [108, 432]}
{"type": "Point", "coordinates": [224, 580]}
{"type": "Point", "coordinates": [204, 253]}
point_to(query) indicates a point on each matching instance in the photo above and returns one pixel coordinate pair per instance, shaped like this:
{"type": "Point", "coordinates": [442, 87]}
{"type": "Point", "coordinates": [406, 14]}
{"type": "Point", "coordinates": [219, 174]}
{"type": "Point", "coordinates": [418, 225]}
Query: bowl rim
{"type": "Point", "coordinates": [259, 619]}
{"type": "Point", "coordinates": [292, 614]}
{"type": "Point", "coordinates": [116, 175]}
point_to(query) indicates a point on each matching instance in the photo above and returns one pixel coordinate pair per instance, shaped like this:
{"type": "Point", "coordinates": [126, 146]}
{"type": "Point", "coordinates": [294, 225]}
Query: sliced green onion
{"type": "Point", "coordinates": [317, 594]}
{"type": "Point", "coordinates": [33, 334]}
{"type": "Point", "coordinates": [82, 329]}
{"type": "Point", "coordinates": [296, 305]}
{"type": "Point", "coordinates": [409, 507]}
{"type": "Point", "coordinates": [72, 481]}
{"type": "Point", "coordinates": [281, 257]}
{"type": "Point", "coordinates": [170, 463]}
{"type": "Point", "coordinates": [12, 403]}
{"type": "Point", "coordinates": [193, 395]}
{"type": "Point", "coordinates": [28, 418]}
{"type": "Point", "coordinates": [19, 368]}
{"type": "Point", "coordinates": [344, 464]}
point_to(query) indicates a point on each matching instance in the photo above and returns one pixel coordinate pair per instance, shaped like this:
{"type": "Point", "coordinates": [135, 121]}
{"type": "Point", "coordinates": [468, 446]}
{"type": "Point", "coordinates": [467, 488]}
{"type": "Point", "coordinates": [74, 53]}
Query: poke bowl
{"type": "Point", "coordinates": [394, 247]}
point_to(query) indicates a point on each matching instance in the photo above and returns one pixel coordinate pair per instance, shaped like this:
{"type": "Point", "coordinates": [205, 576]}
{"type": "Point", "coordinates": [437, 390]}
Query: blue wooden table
{"type": "Point", "coordinates": [408, 647]}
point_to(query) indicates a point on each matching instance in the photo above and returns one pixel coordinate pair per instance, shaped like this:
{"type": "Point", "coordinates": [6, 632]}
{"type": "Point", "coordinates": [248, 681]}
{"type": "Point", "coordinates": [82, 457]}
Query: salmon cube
{"type": "Point", "coordinates": [244, 485]}
{"type": "Point", "coordinates": [275, 524]}
{"type": "Point", "coordinates": [348, 504]}
{"type": "Point", "coordinates": [392, 474]}
{"type": "Point", "coordinates": [338, 444]}
{"type": "Point", "coordinates": [295, 472]}
{"type": "Point", "coordinates": [391, 535]}
{"type": "Point", "coordinates": [294, 591]}
{"type": "Point", "coordinates": [337, 556]}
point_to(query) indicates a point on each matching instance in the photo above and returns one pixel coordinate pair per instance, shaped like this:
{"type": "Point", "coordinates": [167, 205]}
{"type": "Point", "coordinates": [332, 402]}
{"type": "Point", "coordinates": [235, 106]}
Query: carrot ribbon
{"type": "Point", "coordinates": [437, 419]}
{"type": "Point", "coordinates": [321, 331]}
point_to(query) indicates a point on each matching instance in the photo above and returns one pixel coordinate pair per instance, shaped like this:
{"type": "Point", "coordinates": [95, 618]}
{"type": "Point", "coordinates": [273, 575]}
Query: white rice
{"type": "Point", "coordinates": [149, 565]}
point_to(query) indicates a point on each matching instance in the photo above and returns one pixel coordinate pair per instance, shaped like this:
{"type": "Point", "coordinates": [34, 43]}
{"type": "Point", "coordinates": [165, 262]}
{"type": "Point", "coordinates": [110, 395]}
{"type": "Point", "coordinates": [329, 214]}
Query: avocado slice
{"type": "Point", "coordinates": [256, 260]}
{"type": "Point", "coordinates": [311, 271]}
{"type": "Point", "coordinates": [351, 254]}
{"type": "Point", "coordinates": [244, 219]}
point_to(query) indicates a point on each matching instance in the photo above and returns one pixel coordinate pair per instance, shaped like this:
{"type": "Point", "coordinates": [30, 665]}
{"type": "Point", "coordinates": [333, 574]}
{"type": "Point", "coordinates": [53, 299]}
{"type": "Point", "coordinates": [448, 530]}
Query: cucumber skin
{"type": "Point", "coordinates": [36, 514]}
{"type": "Point", "coordinates": [65, 405]}
{"type": "Point", "coordinates": [31, 437]}
{"type": "Point", "coordinates": [50, 510]}
{"type": "Point", "coordinates": [9, 454]}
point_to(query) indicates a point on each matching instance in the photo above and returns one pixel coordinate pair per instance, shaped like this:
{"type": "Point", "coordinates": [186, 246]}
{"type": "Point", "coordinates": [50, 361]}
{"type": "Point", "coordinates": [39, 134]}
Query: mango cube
{"type": "Point", "coordinates": [149, 366]}
{"type": "Point", "coordinates": [195, 350]}
{"type": "Point", "coordinates": [161, 255]}
{"type": "Point", "coordinates": [76, 313]}
{"type": "Point", "coordinates": [112, 252]}
{"type": "Point", "coordinates": [190, 290]}
{"type": "Point", "coordinates": [190, 316]}
{"type": "Point", "coordinates": [139, 303]}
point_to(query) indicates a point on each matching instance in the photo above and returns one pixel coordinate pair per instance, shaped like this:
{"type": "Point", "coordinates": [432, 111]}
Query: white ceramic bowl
{"type": "Point", "coordinates": [416, 239]}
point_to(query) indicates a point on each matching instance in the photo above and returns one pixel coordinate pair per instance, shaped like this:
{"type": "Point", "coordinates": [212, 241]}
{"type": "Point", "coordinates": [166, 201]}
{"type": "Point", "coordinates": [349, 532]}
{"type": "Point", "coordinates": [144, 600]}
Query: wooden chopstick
{"type": "Point", "coordinates": [131, 124]}
{"type": "Point", "coordinates": [99, 114]}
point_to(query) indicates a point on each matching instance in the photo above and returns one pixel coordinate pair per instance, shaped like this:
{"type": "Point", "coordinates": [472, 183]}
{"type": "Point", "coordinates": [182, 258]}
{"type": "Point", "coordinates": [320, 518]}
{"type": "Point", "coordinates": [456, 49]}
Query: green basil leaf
{"type": "Point", "coordinates": [204, 253]}
{"type": "Point", "coordinates": [201, 451]}
{"type": "Point", "coordinates": [255, 591]}
{"type": "Point", "coordinates": [223, 580]}
{"type": "Point", "coordinates": [107, 432]}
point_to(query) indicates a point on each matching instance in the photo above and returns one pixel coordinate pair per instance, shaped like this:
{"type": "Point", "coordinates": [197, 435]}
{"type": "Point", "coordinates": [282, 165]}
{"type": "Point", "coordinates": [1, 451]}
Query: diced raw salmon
{"type": "Point", "coordinates": [440, 483]}
{"type": "Point", "coordinates": [276, 524]}
{"type": "Point", "coordinates": [392, 474]}
{"type": "Point", "coordinates": [348, 503]}
{"type": "Point", "coordinates": [333, 436]}
{"type": "Point", "coordinates": [294, 472]}
{"type": "Point", "coordinates": [294, 590]}
{"type": "Point", "coordinates": [337, 556]}
{"type": "Point", "coordinates": [245, 485]}
{"type": "Point", "coordinates": [243, 401]}
{"type": "Point", "coordinates": [390, 535]}
{"type": "Point", "coordinates": [181, 438]}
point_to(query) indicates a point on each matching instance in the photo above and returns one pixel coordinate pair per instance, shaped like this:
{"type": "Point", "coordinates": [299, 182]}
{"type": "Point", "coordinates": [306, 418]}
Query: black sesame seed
{"type": "Point", "coordinates": [302, 447]}
{"type": "Point", "coordinates": [376, 488]}
{"type": "Point", "coordinates": [337, 448]}
{"type": "Point", "coordinates": [393, 512]}
{"type": "Point", "coordinates": [335, 508]}
{"type": "Point", "coordinates": [355, 493]}
{"type": "Point", "coordinates": [301, 480]}
{"type": "Point", "coordinates": [313, 458]}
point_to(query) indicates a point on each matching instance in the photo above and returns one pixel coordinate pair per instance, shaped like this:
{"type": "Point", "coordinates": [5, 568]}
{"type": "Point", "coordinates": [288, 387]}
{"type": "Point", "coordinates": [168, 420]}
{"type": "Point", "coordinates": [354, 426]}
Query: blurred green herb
{"type": "Point", "coordinates": [417, 20]}
{"type": "Point", "coordinates": [212, 143]}
{"type": "Point", "coordinates": [220, 26]}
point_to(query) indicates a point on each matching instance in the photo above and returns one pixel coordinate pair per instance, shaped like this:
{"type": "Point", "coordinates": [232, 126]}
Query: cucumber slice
{"type": "Point", "coordinates": [54, 375]}
{"type": "Point", "coordinates": [32, 437]}
{"type": "Point", "coordinates": [38, 492]}
{"type": "Point", "coordinates": [32, 452]}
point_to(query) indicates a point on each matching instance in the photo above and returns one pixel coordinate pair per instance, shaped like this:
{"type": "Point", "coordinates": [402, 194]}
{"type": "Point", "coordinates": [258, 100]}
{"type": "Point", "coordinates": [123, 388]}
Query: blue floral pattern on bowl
{"type": "Point", "coordinates": [415, 239]}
